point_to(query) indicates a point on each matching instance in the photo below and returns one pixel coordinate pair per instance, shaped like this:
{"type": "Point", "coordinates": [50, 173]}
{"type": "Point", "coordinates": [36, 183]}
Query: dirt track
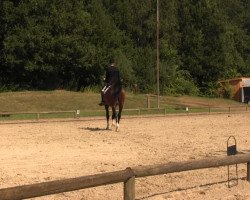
{"type": "Point", "coordinates": [38, 152]}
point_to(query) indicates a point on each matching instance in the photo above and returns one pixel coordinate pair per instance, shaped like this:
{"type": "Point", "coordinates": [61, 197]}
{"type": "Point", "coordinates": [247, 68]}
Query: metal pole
{"type": "Point", "coordinates": [248, 171]}
{"type": "Point", "coordinates": [157, 62]}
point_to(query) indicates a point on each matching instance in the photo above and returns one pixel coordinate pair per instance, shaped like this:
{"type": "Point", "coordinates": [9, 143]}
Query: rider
{"type": "Point", "coordinates": [112, 78]}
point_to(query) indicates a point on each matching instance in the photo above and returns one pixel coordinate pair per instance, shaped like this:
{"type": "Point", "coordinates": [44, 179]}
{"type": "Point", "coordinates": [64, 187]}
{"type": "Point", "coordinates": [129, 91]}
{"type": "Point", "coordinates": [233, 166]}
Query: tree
{"type": "Point", "coordinates": [44, 45]}
{"type": "Point", "coordinates": [69, 43]}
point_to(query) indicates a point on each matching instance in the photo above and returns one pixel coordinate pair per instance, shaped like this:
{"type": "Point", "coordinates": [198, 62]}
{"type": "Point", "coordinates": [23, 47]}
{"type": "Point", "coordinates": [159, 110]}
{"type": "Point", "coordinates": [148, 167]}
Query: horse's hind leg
{"type": "Point", "coordinates": [107, 116]}
{"type": "Point", "coordinates": [120, 112]}
{"type": "Point", "coordinates": [119, 116]}
{"type": "Point", "coordinates": [114, 116]}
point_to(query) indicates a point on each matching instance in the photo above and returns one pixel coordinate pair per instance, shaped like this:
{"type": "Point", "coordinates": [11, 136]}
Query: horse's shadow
{"type": "Point", "coordinates": [189, 188]}
{"type": "Point", "coordinates": [93, 129]}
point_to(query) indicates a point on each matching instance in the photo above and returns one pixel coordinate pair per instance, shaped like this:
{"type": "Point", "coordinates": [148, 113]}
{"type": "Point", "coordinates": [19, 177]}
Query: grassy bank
{"type": "Point", "coordinates": [60, 100]}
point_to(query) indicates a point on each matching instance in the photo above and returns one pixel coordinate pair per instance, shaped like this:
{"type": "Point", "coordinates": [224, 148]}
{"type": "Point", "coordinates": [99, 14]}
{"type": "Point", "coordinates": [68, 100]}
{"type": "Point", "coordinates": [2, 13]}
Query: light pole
{"type": "Point", "coordinates": [158, 56]}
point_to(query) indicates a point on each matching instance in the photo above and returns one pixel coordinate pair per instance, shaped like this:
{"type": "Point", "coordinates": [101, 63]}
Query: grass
{"type": "Point", "coordinates": [87, 103]}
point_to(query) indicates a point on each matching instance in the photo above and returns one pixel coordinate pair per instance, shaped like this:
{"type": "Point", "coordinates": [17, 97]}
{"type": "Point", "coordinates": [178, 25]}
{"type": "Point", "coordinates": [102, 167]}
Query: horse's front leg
{"type": "Point", "coordinates": [107, 116]}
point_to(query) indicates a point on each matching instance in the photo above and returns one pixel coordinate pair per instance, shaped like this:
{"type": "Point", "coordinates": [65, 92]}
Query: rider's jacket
{"type": "Point", "coordinates": [112, 76]}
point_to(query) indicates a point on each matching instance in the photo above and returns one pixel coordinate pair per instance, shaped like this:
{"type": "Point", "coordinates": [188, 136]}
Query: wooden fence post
{"type": "Point", "coordinates": [129, 186]}
{"type": "Point", "coordinates": [38, 116]}
{"type": "Point", "coordinates": [248, 171]}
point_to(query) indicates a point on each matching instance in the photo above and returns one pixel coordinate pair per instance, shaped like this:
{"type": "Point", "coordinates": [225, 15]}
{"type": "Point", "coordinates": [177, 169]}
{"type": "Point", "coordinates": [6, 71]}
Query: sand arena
{"type": "Point", "coordinates": [38, 152]}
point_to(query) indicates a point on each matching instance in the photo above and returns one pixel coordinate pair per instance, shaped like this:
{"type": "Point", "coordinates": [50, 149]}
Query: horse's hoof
{"type": "Point", "coordinates": [117, 128]}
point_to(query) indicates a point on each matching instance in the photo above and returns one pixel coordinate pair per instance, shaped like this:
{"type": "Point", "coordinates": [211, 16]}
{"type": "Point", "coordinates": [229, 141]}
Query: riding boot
{"type": "Point", "coordinates": [102, 102]}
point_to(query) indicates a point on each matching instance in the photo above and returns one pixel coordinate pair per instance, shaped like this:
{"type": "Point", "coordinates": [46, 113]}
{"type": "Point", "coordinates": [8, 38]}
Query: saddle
{"type": "Point", "coordinates": [110, 95]}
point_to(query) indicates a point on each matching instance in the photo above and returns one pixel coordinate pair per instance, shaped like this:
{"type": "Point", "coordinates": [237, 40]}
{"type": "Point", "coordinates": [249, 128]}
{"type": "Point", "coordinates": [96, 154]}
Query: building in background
{"type": "Point", "coordinates": [239, 88]}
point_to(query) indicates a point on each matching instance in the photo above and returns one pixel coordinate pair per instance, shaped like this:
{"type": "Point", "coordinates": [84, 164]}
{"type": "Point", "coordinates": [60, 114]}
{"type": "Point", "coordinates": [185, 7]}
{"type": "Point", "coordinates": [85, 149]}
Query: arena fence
{"type": "Point", "coordinates": [132, 111]}
{"type": "Point", "coordinates": [37, 115]}
{"type": "Point", "coordinates": [180, 110]}
{"type": "Point", "coordinates": [189, 110]}
{"type": "Point", "coordinates": [126, 176]}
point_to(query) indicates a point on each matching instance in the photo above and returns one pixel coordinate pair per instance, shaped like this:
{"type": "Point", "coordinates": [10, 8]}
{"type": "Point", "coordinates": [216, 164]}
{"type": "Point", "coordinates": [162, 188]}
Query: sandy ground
{"type": "Point", "coordinates": [38, 152]}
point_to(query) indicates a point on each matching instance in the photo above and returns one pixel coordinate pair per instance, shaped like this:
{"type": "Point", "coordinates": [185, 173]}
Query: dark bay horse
{"type": "Point", "coordinates": [109, 101]}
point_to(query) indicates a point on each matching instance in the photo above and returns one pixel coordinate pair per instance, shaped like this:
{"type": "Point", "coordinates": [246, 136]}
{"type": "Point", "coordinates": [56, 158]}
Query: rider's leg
{"type": "Point", "coordinates": [102, 101]}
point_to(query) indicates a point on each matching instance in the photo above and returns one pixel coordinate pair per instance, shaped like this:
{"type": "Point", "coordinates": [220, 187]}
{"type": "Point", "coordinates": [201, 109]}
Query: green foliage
{"type": "Point", "coordinates": [212, 89]}
{"type": "Point", "coordinates": [227, 91]}
{"type": "Point", "coordinates": [126, 68]}
{"type": "Point", "coordinates": [44, 44]}
{"type": "Point", "coordinates": [92, 89]}
{"type": "Point", "coordinates": [180, 83]}
{"type": "Point", "coordinates": [68, 43]}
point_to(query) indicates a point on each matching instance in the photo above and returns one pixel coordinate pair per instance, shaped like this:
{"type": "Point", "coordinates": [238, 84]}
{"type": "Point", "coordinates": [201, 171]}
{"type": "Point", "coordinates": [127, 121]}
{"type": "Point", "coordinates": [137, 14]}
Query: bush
{"type": "Point", "coordinates": [227, 91]}
{"type": "Point", "coordinates": [181, 84]}
{"type": "Point", "coordinates": [92, 89]}
{"type": "Point", "coordinates": [212, 89]}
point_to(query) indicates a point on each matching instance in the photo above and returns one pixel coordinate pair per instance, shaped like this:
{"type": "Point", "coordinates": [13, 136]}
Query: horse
{"type": "Point", "coordinates": [110, 101]}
